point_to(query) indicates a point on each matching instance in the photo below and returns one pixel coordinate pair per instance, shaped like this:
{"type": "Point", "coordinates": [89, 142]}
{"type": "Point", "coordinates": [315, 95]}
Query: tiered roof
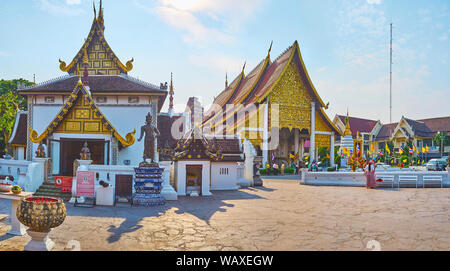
{"type": "Point", "coordinates": [107, 74]}
{"type": "Point", "coordinates": [258, 84]}
{"type": "Point", "coordinates": [96, 37]}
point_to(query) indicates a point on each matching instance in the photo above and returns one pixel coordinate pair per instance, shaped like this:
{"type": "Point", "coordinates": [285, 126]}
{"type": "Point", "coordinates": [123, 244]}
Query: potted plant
{"type": "Point", "coordinates": [16, 189]}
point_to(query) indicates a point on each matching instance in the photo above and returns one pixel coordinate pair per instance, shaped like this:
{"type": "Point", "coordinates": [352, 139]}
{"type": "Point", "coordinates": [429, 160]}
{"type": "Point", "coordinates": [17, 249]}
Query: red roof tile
{"type": "Point", "coordinates": [359, 124]}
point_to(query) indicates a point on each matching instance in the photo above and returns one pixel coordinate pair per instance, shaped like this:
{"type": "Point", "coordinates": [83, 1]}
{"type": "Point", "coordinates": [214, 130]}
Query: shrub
{"type": "Point", "coordinates": [331, 169]}
{"type": "Point", "coordinates": [289, 170]}
{"type": "Point", "coordinates": [262, 171]}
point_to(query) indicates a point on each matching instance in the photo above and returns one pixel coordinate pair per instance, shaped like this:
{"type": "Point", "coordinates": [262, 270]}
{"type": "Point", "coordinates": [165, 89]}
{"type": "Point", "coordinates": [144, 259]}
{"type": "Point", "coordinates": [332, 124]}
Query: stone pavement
{"type": "Point", "coordinates": [283, 215]}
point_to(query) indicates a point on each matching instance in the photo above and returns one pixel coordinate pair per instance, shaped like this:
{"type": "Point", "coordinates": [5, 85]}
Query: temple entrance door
{"type": "Point", "coordinates": [70, 151]}
{"type": "Point", "coordinates": [194, 179]}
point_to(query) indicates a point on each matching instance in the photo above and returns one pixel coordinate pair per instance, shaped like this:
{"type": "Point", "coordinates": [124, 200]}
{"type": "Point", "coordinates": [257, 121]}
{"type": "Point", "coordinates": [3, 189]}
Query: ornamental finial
{"type": "Point", "coordinates": [243, 68]}
{"type": "Point", "coordinates": [226, 80]}
{"type": "Point", "coordinates": [270, 49]}
{"type": "Point", "coordinates": [95, 11]}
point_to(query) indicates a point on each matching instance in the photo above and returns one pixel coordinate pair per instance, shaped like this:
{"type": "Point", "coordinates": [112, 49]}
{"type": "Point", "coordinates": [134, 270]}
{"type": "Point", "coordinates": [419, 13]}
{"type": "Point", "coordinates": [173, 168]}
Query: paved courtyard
{"type": "Point", "coordinates": [283, 215]}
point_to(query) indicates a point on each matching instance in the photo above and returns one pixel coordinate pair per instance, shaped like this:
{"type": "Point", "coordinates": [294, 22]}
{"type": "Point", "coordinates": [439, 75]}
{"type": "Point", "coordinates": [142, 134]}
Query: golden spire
{"type": "Point", "coordinates": [347, 126]}
{"type": "Point", "coordinates": [243, 68]}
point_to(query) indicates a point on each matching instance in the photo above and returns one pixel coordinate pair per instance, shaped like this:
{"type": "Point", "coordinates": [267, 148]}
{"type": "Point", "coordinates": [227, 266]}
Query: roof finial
{"type": "Point", "coordinates": [100, 15]}
{"type": "Point", "coordinates": [270, 49]}
{"type": "Point", "coordinates": [243, 68]}
{"type": "Point", "coordinates": [85, 65]}
{"type": "Point", "coordinates": [95, 11]}
{"type": "Point", "coordinates": [226, 79]}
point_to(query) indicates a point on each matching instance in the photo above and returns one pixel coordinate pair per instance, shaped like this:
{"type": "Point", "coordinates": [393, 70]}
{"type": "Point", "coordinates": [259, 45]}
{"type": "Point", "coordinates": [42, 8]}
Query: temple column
{"type": "Point", "coordinates": [302, 148]}
{"type": "Point", "coordinates": [312, 150]}
{"type": "Point", "coordinates": [265, 145]}
{"type": "Point", "coordinates": [296, 139]}
{"type": "Point", "coordinates": [29, 151]}
{"type": "Point", "coordinates": [114, 151]}
{"type": "Point", "coordinates": [332, 149]}
{"type": "Point", "coordinates": [154, 111]}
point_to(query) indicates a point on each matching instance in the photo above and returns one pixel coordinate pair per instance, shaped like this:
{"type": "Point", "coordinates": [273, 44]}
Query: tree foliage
{"type": "Point", "coordinates": [441, 136]}
{"type": "Point", "coordinates": [10, 102]}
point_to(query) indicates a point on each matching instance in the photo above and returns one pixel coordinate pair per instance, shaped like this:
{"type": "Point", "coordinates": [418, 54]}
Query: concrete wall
{"type": "Point", "coordinates": [13, 167]}
{"type": "Point", "coordinates": [126, 119]}
{"type": "Point", "coordinates": [359, 180]}
{"type": "Point", "coordinates": [222, 181]}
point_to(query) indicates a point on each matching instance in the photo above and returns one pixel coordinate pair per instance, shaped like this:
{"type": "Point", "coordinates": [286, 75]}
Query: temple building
{"type": "Point", "coordinates": [356, 126]}
{"type": "Point", "coordinates": [374, 133]}
{"type": "Point", "coordinates": [276, 107]}
{"type": "Point", "coordinates": [96, 102]}
{"type": "Point", "coordinates": [419, 132]}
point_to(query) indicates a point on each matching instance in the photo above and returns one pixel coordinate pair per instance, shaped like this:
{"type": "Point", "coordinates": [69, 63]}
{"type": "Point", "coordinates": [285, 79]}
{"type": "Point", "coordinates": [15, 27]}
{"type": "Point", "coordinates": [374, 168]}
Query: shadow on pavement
{"type": "Point", "coordinates": [201, 207]}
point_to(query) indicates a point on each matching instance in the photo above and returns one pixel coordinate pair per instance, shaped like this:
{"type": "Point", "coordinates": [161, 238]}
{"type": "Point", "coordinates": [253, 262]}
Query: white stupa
{"type": "Point", "coordinates": [346, 142]}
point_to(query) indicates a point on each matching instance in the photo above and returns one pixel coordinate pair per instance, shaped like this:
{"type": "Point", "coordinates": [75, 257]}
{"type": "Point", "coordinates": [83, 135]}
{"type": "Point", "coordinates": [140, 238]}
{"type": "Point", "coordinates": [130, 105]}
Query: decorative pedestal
{"type": "Point", "coordinates": [148, 186]}
{"type": "Point", "coordinates": [17, 228]}
{"type": "Point", "coordinates": [39, 241]}
{"type": "Point", "coordinates": [167, 192]}
{"type": "Point", "coordinates": [83, 166]}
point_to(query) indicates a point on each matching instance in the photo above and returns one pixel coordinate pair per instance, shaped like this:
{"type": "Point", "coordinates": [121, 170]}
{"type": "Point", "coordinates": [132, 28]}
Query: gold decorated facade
{"type": "Point", "coordinates": [285, 86]}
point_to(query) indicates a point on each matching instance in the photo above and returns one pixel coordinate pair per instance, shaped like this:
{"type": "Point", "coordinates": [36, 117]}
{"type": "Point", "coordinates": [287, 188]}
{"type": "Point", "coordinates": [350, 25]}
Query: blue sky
{"type": "Point", "coordinates": [345, 46]}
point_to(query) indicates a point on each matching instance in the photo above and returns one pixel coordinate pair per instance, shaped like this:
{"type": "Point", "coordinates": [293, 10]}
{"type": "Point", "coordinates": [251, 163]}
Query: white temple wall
{"type": "Point", "coordinates": [126, 119]}
{"type": "Point", "coordinates": [224, 176]}
{"type": "Point", "coordinates": [42, 116]}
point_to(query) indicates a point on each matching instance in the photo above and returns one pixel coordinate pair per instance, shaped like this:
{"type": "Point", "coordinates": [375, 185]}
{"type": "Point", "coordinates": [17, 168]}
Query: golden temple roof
{"type": "Point", "coordinates": [80, 92]}
{"type": "Point", "coordinates": [97, 52]}
{"type": "Point", "coordinates": [258, 84]}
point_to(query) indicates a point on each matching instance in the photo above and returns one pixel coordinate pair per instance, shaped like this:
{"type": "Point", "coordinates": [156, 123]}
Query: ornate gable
{"type": "Point", "coordinates": [81, 115]}
{"type": "Point", "coordinates": [100, 57]}
{"type": "Point", "coordinates": [294, 100]}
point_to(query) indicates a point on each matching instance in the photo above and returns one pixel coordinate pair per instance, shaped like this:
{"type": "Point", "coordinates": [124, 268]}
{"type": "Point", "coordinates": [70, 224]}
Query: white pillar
{"type": "Point", "coordinates": [265, 146]}
{"type": "Point", "coordinates": [167, 192]}
{"type": "Point", "coordinates": [16, 227]}
{"type": "Point", "coordinates": [312, 150]}
{"type": "Point", "coordinates": [296, 141]}
{"type": "Point", "coordinates": [332, 149]}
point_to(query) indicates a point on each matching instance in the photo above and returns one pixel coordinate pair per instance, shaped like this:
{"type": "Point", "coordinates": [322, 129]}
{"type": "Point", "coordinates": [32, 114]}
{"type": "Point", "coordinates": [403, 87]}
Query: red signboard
{"type": "Point", "coordinates": [64, 182]}
{"type": "Point", "coordinates": [85, 184]}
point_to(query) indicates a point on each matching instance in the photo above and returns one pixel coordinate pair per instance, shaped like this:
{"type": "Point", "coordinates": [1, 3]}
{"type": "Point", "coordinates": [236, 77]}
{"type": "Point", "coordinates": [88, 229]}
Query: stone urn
{"type": "Point", "coordinates": [41, 214]}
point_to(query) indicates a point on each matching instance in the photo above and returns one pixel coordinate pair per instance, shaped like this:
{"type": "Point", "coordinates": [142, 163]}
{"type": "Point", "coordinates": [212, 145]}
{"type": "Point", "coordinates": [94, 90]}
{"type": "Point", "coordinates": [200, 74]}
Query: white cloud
{"type": "Point", "coordinates": [204, 20]}
{"type": "Point", "coordinates": [60, 7]}
{"type": "Point", "coordinates": [2, 53]}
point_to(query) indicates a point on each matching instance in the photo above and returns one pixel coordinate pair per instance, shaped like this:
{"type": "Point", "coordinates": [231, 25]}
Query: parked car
{"type": "Point", "coordinates": [436, 165]}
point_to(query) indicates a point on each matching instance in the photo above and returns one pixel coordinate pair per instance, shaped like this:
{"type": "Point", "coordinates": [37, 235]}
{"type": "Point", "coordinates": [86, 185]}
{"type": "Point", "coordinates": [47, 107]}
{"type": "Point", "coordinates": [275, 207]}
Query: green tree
{"type": "Point", "coordinates": [323, 151]}
{"type": "Point", "coordinates": [10, 102]}
{"type": "Point", "coordinates": [441, 139]}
